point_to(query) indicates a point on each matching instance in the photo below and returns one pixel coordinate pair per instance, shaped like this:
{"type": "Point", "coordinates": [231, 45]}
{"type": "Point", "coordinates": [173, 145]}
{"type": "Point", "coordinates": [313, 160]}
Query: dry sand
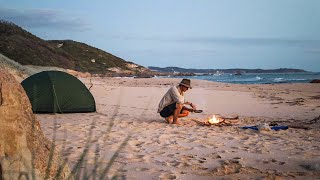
{"type": "Point", "coordinates": [155, 150]}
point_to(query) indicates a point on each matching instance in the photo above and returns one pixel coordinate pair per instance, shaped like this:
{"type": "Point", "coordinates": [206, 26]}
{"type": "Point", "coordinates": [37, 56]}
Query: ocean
{"type": "Point", "coordinates": [258, 78]}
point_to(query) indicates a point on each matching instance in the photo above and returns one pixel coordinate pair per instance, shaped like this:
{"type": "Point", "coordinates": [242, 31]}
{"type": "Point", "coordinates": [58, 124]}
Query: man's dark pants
{"type": "Point", "coordinates": [168, 110]}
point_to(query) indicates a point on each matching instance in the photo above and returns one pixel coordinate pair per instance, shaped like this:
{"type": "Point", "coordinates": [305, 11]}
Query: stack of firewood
{"type": "Point", "coordinates": [223, 121]}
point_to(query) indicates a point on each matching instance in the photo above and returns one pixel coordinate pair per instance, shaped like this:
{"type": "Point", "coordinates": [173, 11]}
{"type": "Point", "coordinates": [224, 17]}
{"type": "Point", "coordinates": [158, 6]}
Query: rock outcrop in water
{"type": "Point", "coordinates": [21, 139]}
{"type": "Point", "coordinates": [315, 81]}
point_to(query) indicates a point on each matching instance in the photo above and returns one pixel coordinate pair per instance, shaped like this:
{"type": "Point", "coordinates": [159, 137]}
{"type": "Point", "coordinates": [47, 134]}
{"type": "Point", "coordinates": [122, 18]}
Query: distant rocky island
{"type": "Point", "coordinates": [235, 71]}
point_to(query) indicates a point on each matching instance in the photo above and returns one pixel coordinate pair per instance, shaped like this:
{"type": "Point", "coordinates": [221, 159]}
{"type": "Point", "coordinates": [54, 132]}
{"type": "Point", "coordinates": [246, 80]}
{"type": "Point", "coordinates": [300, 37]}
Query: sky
{"type": "Point", "coordinates": [204, 34]}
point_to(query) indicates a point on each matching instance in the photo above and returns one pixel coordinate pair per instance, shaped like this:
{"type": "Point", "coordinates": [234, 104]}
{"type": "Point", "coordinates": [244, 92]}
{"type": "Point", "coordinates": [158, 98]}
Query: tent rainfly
{"type": "Point", "coordinates": [58, 92]}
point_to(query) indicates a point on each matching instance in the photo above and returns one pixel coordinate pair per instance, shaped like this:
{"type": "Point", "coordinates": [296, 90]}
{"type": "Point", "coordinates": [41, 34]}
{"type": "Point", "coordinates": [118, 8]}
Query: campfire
{"type": "Point", "coordinates": [217, 121]}
{"type": "Point", "coordinates": [214, 120]}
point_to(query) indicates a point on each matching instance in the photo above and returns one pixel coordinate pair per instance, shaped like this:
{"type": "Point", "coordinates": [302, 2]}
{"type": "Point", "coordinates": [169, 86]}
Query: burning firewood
{"type": "Point", "coordinates": [215, 121]}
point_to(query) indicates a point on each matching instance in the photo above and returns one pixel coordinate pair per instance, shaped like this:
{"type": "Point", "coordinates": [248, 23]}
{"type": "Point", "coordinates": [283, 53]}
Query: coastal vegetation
{"type": "Point", "coordinates": [28, 49]}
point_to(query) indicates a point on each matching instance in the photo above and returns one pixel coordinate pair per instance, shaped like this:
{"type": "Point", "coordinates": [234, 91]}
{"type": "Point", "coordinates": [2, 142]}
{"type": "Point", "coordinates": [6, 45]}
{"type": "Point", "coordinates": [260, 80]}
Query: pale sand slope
{"type": "Point", "coordinates": [157, 150]}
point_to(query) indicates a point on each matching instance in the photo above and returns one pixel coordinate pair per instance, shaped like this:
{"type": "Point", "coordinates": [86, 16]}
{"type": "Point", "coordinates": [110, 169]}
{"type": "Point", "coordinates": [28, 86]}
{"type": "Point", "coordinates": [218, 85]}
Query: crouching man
{"type": "Point", "coordinates": [171, 106]}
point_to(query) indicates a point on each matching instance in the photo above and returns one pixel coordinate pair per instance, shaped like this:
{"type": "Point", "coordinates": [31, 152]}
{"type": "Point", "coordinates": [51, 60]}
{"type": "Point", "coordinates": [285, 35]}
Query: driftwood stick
{"type": "Point", "coordinates": [230, 117]}
{"type": "Point", "coordinates": [91, 84]}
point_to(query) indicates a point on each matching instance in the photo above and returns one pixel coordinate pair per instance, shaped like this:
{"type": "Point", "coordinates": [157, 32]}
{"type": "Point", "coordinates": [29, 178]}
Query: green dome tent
{"type": "Point", "coordinates": [58, 92]}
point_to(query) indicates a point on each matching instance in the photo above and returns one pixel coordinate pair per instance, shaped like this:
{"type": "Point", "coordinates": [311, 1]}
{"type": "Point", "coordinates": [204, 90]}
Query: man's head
{"type": "Point", "coordinates": [185, 84]}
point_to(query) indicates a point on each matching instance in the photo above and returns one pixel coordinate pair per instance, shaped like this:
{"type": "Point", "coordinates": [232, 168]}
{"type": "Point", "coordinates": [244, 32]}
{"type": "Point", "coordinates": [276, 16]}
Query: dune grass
{"type": "Point", "coordinates": [80, 170]}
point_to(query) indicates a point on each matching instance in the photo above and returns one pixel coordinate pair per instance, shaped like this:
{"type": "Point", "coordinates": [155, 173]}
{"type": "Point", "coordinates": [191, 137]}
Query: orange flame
{"type": "Point", "coordinates": [213, 120]}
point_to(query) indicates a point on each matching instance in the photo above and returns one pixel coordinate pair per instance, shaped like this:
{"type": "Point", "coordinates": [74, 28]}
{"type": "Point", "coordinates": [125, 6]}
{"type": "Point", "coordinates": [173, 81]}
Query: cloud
{"type": "Point", "coordinates": [229, 41]}
{"type": "Point", "coordinates": [43, 18]}
{"type": "Point", "coordinates": [251, 41]}
{"type": "Point", "coordinates": [312, 51]}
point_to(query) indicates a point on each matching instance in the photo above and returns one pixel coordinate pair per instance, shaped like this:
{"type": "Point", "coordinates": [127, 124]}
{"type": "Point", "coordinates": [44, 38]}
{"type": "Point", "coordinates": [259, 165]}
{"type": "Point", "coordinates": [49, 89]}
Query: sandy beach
{"type": "Point", "coordinates": [127, 118]}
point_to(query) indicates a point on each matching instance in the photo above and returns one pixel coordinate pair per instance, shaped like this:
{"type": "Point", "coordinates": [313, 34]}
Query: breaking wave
{"type": "Point", "coordinates": [261, 78]}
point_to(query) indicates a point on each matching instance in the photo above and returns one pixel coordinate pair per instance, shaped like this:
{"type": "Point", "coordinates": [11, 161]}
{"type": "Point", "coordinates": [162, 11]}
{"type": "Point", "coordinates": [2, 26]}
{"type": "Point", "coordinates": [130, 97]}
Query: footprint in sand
{"type": "Point", "coordinates": [223, 151]}
{"type": "Point", "coordinates": [134, 158]}
{"type": "Point", "coordinates": [277, 162]}
{"type": "Point", "coordinates": [214, 156]}
{"type": "Point", "coordinates": [159, 153]}
{"type": "Point", "coordinates": [244, 138]}
{"type": "Point", "coordinates": [245, 148]}
{"type": "Point", "coordinates": [160, 162]}
{"type": "Point", "coordinates": [183, 165]}
{"type": "Point", "coordinates": [191, 140]}
{"type": "Point", "coordinates": [170, 155]}
{"type": "Point", "coordinates": [174, 163]}
{"type": "Point", "coordinates": [229, 138]}
{"type": "Point", "coordinates": [250, 143]}
{"type": "Point", "coordinates": [202, 160]}
{"type": "Point", "coordinates": [135, 143]}
{"type": "Point", "coordinates": [273, 161]}
{"type": "Point", "coordinates": [168, 176]}
{"type": "Point", "coordinates": [141, 169]}
{"type": "Point", "coordinates": [148, 142]}
{"type": "Point", "coordinates": [261, 151]}
{"type": "Point", "coordinates": [229, 167]}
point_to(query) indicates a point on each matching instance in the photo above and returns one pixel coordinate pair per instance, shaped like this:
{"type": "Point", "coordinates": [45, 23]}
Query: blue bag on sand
{"type": "Point", "coordinates": [250, 127]}
{"type": "Point", "coordinates": [275, 128]}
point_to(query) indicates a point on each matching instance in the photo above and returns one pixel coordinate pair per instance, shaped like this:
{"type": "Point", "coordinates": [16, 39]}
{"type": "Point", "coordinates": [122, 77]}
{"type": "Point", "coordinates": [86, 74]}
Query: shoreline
{"type": "Point", "coordinates": [256, 78]}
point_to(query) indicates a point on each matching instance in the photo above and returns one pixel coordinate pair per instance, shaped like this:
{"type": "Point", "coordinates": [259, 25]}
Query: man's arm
{"type": "Point", "coordinates": [191, 105]}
